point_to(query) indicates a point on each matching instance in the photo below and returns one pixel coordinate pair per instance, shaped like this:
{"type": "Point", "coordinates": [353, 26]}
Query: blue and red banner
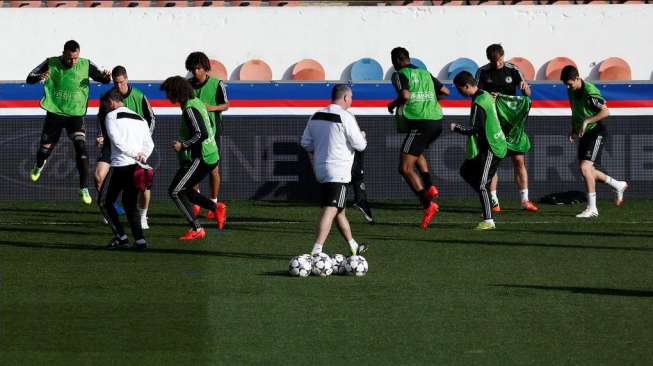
{"type": "Point", "coordinates": [291, 98]}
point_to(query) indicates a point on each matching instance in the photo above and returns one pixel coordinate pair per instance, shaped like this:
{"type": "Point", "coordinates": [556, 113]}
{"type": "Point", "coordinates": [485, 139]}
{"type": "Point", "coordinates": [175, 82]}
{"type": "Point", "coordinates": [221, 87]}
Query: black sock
{"type": "Point", "coordinates": [426, 179]}
{"type": "Point", "coordinates": [426, 203]}
{"type": "Point", "coordinates": [42, 155]}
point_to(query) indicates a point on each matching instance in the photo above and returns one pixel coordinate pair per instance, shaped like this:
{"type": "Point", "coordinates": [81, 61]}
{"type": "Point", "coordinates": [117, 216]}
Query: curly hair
{"type": "Point", "coordinates": [197, 59]}
{"type": "Point", "coordinates": [178, 89]}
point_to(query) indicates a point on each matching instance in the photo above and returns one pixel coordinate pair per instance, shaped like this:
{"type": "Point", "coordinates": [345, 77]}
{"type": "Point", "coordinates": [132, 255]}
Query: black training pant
{"type": "Point", "coordinates": [121, 179]}
{"type": "Point", "coordinates": [182, 193]}
{"type": "Point", "coordinates": [478, 173]}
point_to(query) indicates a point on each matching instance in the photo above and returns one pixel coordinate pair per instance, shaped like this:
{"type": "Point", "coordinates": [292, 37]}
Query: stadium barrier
{"type": "Point", "coordinates": [262, 159]}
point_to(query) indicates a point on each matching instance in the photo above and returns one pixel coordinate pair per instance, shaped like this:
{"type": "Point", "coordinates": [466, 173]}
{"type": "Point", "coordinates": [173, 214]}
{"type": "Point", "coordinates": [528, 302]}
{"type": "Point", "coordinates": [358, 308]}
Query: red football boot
{"type": "Point", "coordinates": [193, 235]}
{"type": "Point", "coordinates": [429, 213]}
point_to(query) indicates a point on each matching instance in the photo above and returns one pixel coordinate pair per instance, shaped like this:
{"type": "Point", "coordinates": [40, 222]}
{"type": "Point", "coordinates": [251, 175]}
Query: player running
{"type": "Point", "coordinates": [197, 152]}
{"type": "Point", "coordinates": [588, 111]}
{"type": "Point", "coordinates": [486, 143]}
{"type": "Point", "coordinates": [420, 115]}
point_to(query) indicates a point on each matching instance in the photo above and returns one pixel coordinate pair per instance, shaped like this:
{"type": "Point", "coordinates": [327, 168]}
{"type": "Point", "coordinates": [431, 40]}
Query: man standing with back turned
{"type": "Point", "coordinates": [333, 135]}
{"type": "Point", "coordinates": [66, 89]}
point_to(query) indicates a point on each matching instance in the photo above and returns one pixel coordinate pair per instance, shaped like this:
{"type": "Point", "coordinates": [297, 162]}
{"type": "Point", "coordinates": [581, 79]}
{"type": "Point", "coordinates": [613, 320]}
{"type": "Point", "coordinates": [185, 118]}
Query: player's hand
{"type": "Point", "coordinates": [45, 76]}
{"type": "Point", "coordinates": [582, 128]}
{"type": "Point", "coordinates": [177, 146]}
{"type": "Point", "coordinates": [570, 136]}
{"type": "Point", "coordinates": [452, 126]}
{"type": "Point", "coordinates": [99, 141]}
{"type": "Point", "coordinates": [523, 86]}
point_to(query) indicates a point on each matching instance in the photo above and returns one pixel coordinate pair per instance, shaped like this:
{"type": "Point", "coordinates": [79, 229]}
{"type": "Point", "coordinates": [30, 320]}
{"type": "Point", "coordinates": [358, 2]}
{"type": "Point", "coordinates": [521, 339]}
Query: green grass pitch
{"type": "Point", "coordinates": [543, 289]}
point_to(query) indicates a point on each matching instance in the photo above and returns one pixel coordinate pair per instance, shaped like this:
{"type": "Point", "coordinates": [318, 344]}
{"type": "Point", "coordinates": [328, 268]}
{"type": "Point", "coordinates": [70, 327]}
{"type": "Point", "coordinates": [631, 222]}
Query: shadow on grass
{"type": "Point", "coordinates": [583, 290]}
{"type": "Point", "coordinates": [523, 244]}
{"type": "Point", "coordinates": [148, 250]}
{"type": "Point", "coordinates": [275, 274]}
{"type": "Point", "coordinates": [58, 211]}
{"type": "Point", "coordinates": [49, 230]}
{"type": "Point", "coordinates": [580, 233]}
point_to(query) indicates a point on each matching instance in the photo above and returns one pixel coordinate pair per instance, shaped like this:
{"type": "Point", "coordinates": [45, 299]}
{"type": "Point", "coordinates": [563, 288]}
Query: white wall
{"type": "Point", "coordinates": [153, 43]}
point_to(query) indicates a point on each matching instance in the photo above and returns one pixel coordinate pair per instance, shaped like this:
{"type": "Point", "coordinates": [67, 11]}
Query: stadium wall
{"type": "Point", "coordinates": [153, 42]}
{"type": "Point", "coordinates": [262, 159]}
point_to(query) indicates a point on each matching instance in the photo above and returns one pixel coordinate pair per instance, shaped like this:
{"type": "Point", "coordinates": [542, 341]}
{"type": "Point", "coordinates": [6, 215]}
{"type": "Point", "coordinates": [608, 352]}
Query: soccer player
{"type": "Point", "coordinates": [197, 151]}
{"type": "Point", "coordinates": [588, 111]}
{"type": "Point", "coordinates": [332, 135]}
{"type": "Point", "coordinates": [358, 183]}
{"type": "Point", "coordinates": [486, 144]}
{"type": "Point", "coordinates": [136, 101]}
{"type": "Point", "coordinates": [418, 109]}
{"type": "Point", "coordinates": [66, 88]}
{"type": "Point", "coordinates": [505, 78]}
{"type": "Point", "coordinates": [212, 92]}
{"type": "Point", "coordinates": [131, 146]}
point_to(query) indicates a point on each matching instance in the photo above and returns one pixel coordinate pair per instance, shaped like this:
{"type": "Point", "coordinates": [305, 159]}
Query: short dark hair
{"type": "Point", "coordinates": [178, 89]}
{"type": "Point", "coordinates": [493, 51]}
{"type": "Point", "coordinates": [399, 54]}
{"type": "Point", "coordinates": [197, 59]}
{"type": "Point", "coordinates": [112, 95]}
{"type": "Point", "coordinates": [568, 72]}
{"type": "Point", "coordinates": [71, 46]}
{"type": "Point", "coordinates": [118, 71]}
{"type": "Point", "coordinates": [464, 78]}
{"type": "Point", "coordinates": [339, 91]}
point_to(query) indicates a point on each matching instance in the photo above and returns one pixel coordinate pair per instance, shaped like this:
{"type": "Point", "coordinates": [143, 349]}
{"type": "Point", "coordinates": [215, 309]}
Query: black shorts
{"type": "Point", "coordinates": [514, 153]}
{"type": "Point", "coordinates": [333, 195]}
{"type": "Point", "coordinates": [55, 123]}
{"type": "Point", "coordinates": [591, 144]}
{"type": "Point", "coordinates": [421, 133]}
{"type": "Point", "coordinates": [105, 153]}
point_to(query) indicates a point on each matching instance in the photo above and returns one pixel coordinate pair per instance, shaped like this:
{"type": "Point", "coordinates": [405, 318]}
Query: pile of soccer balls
{"type": "Point", "coordinates": [322, 265]}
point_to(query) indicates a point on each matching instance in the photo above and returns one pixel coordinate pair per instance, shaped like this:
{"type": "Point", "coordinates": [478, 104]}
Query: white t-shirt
{"type": "Point", "coordinates": [333, 135]}
{"type": "Point", "coordinates": [129, 136]}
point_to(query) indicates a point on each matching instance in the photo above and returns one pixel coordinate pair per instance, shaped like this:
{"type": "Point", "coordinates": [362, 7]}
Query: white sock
{"type": "Point", "coordinates": [489, 221]}
{"type": "Point", "coordinates": [615, 184]}
{"type": "Point", "coordinates": [214, 200]}
{"type": "Point", "coordinates": [524, 194]}
{"type": "Point", "coordinates": [317, 249]}
{"type": "Point", "coordinates": [591, 200]}
{"type": "Point", "coordinates": [493, 195]}
{"type": "Point", "coordinates": [353, 245]}
{"type": "Point", "coordinates": [142, 212]}
{"type": "Point", "coordinates": [124, 237]}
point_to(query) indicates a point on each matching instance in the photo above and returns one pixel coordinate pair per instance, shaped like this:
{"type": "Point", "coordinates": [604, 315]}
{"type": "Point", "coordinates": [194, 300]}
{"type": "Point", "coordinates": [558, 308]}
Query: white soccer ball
{"type": "Point", "coordinates": [356, 265]}
{"type": "Point", "coordinates": [322, 265]}
{"type": "Point", "coordinates": [299, 266]}
{"type": "Point", "coordinates": [338, 261]}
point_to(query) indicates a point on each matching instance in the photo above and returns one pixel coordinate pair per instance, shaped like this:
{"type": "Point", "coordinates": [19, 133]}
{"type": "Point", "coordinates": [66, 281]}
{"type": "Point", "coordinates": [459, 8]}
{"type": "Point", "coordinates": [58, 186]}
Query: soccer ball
{"type": "Point", "coordinates": [322, 265]}
{"type": "Point", "coordinates": [356, 265]}
{"type": "Point", "coordinates": [300, 266]}
{"type": "Point", "coordinates": [338, 261]}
